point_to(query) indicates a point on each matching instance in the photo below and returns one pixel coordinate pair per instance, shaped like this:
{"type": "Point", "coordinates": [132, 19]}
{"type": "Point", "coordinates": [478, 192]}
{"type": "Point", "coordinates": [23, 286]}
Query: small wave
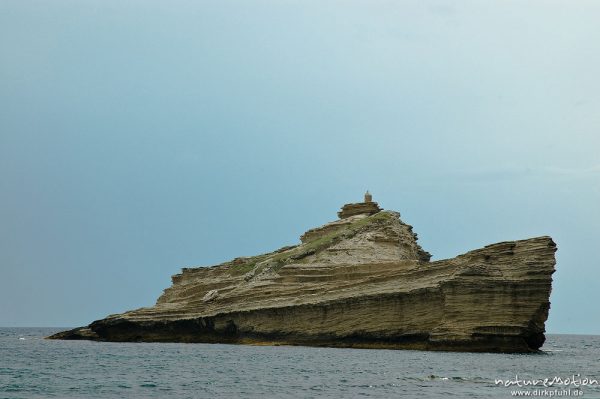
{"type": "Point", "coordinates": [148, 385]}
{"type": "Point", "coordinates": [434, 377]}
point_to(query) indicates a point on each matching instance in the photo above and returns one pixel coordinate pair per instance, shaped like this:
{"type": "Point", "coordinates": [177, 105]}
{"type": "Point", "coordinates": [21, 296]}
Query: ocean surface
{"type": "Point", "coordinates": [31, 367]}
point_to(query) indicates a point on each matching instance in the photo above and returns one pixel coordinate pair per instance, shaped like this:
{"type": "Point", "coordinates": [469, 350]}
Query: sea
{"type": "Point", "coordinates": [32, 367]}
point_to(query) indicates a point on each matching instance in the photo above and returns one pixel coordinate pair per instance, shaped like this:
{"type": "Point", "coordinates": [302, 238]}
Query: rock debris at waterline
{"type": "Point", "coordinates": [361, 281]}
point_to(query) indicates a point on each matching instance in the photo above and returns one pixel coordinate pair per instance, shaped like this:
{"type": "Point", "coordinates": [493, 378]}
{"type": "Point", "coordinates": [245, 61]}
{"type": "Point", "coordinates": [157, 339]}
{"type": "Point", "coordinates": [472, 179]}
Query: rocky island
{"type": "Point", "coordinates": [360, 281]}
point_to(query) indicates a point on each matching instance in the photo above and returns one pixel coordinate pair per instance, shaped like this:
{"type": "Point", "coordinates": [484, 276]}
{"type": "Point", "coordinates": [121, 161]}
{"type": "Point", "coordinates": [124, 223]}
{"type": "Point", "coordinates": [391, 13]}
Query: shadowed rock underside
{"type": "Point", "coordinates": [360, 281]}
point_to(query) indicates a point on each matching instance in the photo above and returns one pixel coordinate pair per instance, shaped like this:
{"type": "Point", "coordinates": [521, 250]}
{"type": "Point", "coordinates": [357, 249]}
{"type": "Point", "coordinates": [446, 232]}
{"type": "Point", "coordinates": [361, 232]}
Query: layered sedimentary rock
{"type": "Point", "coordinates": [360, 208]}
{"type": "Point", "coordinates": [361, 281]}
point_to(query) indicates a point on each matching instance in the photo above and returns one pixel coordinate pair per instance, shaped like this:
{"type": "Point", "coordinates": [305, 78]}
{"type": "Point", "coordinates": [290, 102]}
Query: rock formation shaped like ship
{"type": "Point", "coordinates": [360, 281]}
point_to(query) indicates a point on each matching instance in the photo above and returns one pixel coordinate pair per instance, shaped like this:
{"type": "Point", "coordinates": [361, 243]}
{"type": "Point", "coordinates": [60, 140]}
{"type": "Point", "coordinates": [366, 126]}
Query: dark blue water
{"type": "Point", "coordinates": [31, 367]}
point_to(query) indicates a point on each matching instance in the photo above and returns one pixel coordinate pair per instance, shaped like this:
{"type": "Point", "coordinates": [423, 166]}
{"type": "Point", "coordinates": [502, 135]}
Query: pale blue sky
{"type": "Point", "coordinates": [140, 137]}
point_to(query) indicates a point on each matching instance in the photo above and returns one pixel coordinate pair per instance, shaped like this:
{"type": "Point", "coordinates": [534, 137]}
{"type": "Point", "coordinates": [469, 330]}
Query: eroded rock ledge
{"type": "Point", "coordinates": [361, 281]}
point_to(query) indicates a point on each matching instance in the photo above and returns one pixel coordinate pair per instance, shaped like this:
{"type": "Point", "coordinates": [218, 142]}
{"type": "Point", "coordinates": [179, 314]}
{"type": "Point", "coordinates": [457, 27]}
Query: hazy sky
{"type": "Point", "coordinates": [140, 137]}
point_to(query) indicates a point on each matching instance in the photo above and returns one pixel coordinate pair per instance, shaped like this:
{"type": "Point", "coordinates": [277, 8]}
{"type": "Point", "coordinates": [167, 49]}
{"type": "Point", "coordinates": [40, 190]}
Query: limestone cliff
{"type": "Point", "coordinates": [360, 281]}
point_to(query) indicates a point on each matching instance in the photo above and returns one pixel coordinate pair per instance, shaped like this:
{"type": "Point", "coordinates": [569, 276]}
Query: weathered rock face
{"type": "Point", "coordinates": [360, 208]}
{"type": "Point", "coordinates": [362, 281]}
